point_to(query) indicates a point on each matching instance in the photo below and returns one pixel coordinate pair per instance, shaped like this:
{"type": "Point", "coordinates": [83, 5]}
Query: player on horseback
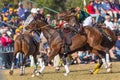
{"type": "Point", "coordinates": [31, 17]}
{"type": "Point", "coordinates": [83, 17]}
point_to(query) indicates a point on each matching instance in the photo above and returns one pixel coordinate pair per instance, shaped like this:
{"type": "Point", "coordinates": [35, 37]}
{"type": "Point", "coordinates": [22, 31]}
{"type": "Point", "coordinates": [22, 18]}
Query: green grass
{"type": "Point", "coordinates": [78, 72]}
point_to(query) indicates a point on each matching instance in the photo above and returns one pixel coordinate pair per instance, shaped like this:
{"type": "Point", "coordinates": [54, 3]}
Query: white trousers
{"type": "Point", "coordinates": [87, 21]}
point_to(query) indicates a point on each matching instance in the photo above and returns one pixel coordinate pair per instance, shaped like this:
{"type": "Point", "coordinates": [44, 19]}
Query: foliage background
{"type": "Point", "coordinates": [57, 5]}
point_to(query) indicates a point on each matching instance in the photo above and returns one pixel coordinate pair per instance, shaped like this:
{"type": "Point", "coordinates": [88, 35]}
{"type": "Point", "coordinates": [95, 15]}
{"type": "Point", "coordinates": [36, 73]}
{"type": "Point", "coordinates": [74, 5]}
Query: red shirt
{"type": "Point", "coordinates": [5, 41]}
{"type": "Point", "coordinates": [90, 9]}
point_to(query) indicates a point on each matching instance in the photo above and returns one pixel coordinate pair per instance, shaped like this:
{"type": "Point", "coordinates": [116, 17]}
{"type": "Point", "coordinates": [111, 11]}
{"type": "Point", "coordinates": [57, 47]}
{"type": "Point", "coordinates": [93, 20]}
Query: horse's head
{"type": "Point", "coordinates": [67, 15]}
{"type": "Point", "coordinates": [35, 24]}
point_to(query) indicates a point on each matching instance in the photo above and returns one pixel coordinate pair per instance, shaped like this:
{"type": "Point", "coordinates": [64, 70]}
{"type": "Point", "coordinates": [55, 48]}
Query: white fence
{"type": "Point", "coordinates": [8, 49]}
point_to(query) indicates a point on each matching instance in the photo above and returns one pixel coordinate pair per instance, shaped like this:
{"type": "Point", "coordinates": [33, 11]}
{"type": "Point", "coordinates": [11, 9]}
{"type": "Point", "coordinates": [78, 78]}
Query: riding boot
{"type": "Point", "coordinates": [67, 50]}
{"type": "Point", "coordinates": [37, 44]}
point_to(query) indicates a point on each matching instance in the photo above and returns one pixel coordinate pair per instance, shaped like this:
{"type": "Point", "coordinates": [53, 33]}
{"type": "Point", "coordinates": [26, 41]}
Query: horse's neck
{"type": "Point", "coordinates": [73, 20]}
{"type": "Point", "coordinates": [50, 33]}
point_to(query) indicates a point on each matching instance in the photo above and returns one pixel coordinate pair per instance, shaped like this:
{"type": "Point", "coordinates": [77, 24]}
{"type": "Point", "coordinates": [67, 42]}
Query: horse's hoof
{"type": "Point", "coordinates": [21, 74]}
{"type": "Point", "coordinates": [11, 72]}
{"type": "Point", "coordinates": [57, 70]}
{"type": "Point", "coordinates": [66, 74]}
{"type": "Point", "coordinates": [33, 75]}
{"type": "Point", "coordinates": [110, 65]}
{"type": "Point", "coordinates": [109, 70]}
{"type": "Point", "coordinates": [91, 71]}
{"type": "Point", "coordinates": [38, 74]}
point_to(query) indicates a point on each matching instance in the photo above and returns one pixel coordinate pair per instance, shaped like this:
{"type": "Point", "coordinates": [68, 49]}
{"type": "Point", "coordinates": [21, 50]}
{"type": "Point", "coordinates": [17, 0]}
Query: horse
{"type": "Point", "coordinates": [24, 44]}
{"type": "Point", "coordinates": [101, 42]}
{"type": "Point", "coordinates": [91, 40]}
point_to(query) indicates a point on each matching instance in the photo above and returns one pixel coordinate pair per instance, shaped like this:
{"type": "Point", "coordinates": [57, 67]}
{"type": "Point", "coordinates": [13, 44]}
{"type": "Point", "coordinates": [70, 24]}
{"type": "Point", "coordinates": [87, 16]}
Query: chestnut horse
{"type": "Point", "coordinates": [24, 43]}
{"type": "Point", "coordinates": [101, 42]}
{"type": "Point", "coordinates": [91, 40]}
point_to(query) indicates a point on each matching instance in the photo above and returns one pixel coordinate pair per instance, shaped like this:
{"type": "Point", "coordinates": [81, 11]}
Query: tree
{"type": "Point", "coordinates": [15, 2]}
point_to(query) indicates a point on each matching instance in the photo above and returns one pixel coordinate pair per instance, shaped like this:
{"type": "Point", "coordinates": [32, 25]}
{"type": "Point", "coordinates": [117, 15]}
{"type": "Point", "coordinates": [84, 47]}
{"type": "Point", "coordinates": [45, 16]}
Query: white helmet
{"type": "Point", "coordinates": [34, 10]}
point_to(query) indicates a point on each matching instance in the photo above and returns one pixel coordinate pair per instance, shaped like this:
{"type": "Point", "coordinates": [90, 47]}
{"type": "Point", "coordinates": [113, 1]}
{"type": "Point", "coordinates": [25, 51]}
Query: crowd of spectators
{"type": "Point", "coordinates": [12, 20]}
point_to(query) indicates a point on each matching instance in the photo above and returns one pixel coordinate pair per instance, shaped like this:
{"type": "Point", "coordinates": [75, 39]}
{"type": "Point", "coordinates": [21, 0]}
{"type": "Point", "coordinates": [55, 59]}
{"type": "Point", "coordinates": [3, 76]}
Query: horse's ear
{"type": "Point", "coordinates": [73, 10]}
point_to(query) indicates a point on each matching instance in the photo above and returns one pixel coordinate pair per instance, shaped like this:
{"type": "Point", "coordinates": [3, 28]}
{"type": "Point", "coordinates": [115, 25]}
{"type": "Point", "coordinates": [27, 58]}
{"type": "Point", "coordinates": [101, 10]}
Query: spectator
{"type": "Point", "coordinates": [21, 11]}
{"type": "Point", "coordinates": [117, 47]}
{"type": "Point", "coordinates": [2, 16]}
{"type": "Point", "coordinates": [106, 8]}
{"type": "Point", "coordinates": [111, 51]}
{"type": "Point", "coordinates": [48, 19]}
{"type": "Point", "coordinates": [54, 24]}
{"type": "Point", "coordinates": [5, 40]}
{"type": "Point", "coordinates": [91, 10]}
{"type": "Point", "coordinates": [10, 13]}
{"type": "Point", "coordinates": [5, 20]}
{"type": "Point", "coordinates": [114, 8]}
{"type": "Point", "coordinates": [109, 23]}
{"type": "Point", "coordinates": [117, 25]}
{"type": "Point", "coordinates": [41, 14]}
{"type": "Point", "coordinates": [75, 58]}
{"type": "Point", "coordinates": [5, 8]}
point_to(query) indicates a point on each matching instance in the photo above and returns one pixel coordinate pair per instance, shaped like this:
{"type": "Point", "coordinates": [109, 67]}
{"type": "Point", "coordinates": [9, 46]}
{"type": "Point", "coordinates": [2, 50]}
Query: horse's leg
{"type": "Point", "coordinates": [102, 61]}
{"type": "Point", "coordinates": [65, 62]}
{"type": "Point", "coordinates": [12, 66]}
{"type": "Point", "coordinates": [36, 66]}
{"type": "Point", "coordinates": [22, 68]}
{"type": "Point", "coordinates": [97, 67]}
{"type": "Point", "coordinates": [106, 61]}
{"type": "Point", "coordinates": [109, 69]}
{"type": "Point", "coordinates": [52, 54]}
{"type": "Point", "coordinates": [41, 70]}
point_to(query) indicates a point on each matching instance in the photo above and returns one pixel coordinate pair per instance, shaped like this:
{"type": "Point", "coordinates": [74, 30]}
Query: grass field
{"type": "Point", "coordinates": [78, 72]}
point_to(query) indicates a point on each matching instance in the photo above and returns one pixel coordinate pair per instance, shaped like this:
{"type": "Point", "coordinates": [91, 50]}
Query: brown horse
{"type": "Point", "coordinates": [100, 42]}
{"type": "Point", "coordinates": [91, 40]}
{"type": "Point", "coordinates": [24, 43]}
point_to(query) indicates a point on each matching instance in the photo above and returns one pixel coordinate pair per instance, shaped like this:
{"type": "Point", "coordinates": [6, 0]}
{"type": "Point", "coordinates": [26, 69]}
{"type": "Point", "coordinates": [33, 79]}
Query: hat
{"type": "Point", "coordinates": [15, 10]}
{"type": "Point", "coordinates": [5, 19]}
{"type": "Point", "coordinates": [10, 9]}
{"type": "Point", "coordinates": [9, 5]}
{"type": "Point", "coordinates": [21, 27]}
{"type": "Point", "coordinates": [20, 3]}
{"type": "Point", "coordinates": [34, 10]}
{"type": "Point", "coordinates": [48, 15]}
{"type": "Point", "coordinates": [17, 30]}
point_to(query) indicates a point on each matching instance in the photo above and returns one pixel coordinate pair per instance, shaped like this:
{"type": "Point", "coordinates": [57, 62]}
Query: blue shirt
{"type": "Point", "coordinates": [117, 44]}
{"type": "Point", "coordinates": [106, 6]}
{"type": "Point", "coordinates": [98, 6]}
{"type": "Point", "coordinates": [4, 9]}
{"type": "Point", "coordinates": [21, 13]}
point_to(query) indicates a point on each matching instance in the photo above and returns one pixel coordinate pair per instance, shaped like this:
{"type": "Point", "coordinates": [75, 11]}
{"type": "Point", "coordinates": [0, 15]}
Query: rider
{"type": "Point", "coordinates": [31, 17]}
{"type": "Point", "coordinates": [83, 17]}
{"type": "Point", "coordinates": [65, 33]}
{"type": "Point", "coordinates": [40, 14]}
